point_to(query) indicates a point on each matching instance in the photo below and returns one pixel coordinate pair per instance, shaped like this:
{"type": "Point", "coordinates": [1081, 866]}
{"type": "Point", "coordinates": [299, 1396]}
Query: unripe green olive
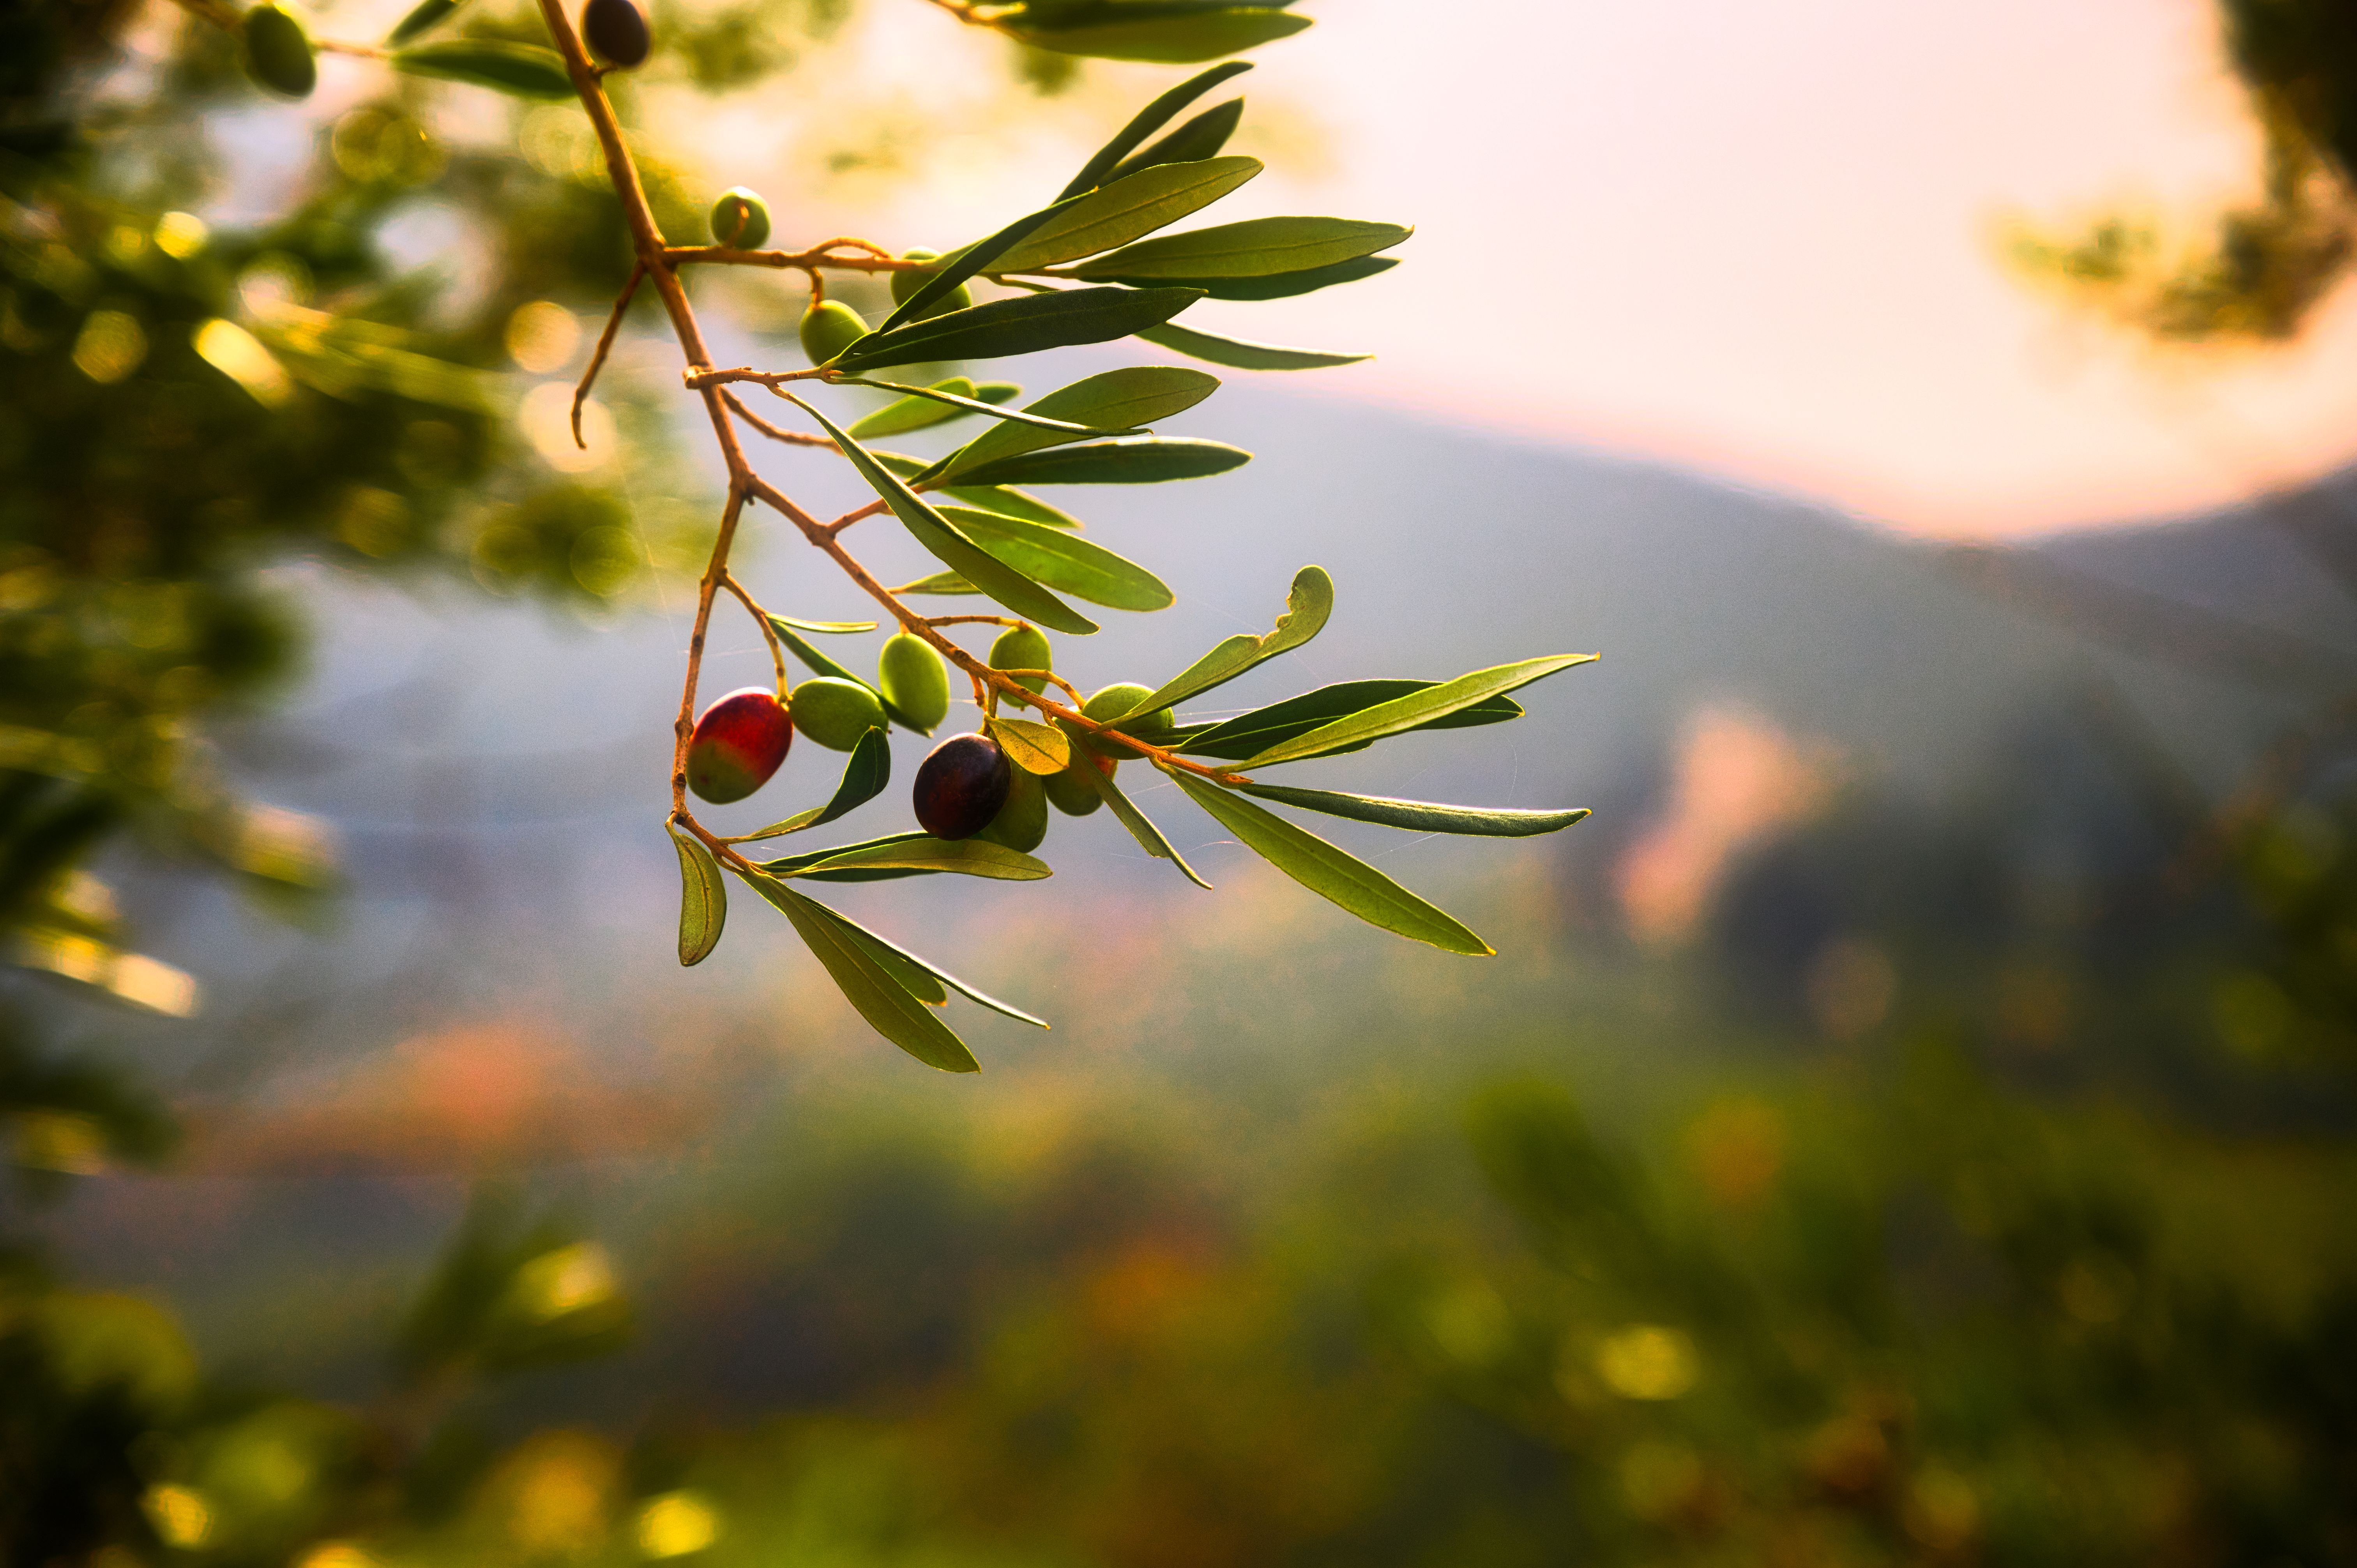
{"type": "Point", "coordinates": [835, 713]}
{"type": "Point", "coordinates": [1024, 648]}
{"type": "Point", "coordinates": [960, 786]}
{"type": "Point", "coordinates": [1116, 700]}
{"type": "Point", "coordinates": [1022, 822]}
{"type": "Point", "coordinates": [278, 52]}
{"type": "Point", "coordinates": [1070, 792]}
{"type": "Point", "coordinates": [740, 218]}
{"type": "Point", "coordinates": [617, 31]}
{"type": "Point", "coordinates": [737, 745]}
{"type": "Point", "coordinates": [905, 284]}
{"type": "Point", "coordinates": [828, 328]}
{"type": "Point", "coordinates": [914, 679]}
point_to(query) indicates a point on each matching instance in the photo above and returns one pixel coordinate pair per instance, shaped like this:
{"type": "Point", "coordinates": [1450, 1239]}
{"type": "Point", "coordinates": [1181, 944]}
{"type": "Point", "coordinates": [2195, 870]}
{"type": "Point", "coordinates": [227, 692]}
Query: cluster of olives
{"type": "Point", "coordinates": [966, 788]}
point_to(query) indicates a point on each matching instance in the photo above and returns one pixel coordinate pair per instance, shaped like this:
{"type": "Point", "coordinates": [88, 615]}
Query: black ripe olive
{"type": "Point", "coordinates": [961, 787]}
{"type": "Point", "coordinates": [617, 31]}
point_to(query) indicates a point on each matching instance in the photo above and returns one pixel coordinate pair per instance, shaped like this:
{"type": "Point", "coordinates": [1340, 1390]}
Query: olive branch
{"type": "Point", "coordinates": [1095, 265]}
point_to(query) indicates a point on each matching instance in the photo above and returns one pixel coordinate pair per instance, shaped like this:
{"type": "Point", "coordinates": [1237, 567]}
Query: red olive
{"type": "Point", "coordinates": [961, 787]}
{"type": "Point", "coordinates": [617, 31]}
{"type": "Point", "coordinates": [737, 744]}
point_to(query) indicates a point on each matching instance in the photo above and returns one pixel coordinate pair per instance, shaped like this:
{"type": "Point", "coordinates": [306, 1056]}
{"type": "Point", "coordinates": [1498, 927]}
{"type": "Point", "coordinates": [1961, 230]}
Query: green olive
{"type": "Point", "coordinates": [905, 284]}
{"type": "Point", "coordinates": [835, 713]}
{"type": "Point", "coordinates": [914, 679]}
{"type": "Point", "coordinates": [1116, 700]}
{"type": "Point", "coordinates": [740, 218]}
{"type": "Point", "coordinates": [1022, 822]}
{"type": "Point", "coordinates": [1024, 648]}
{"type": "Point", "coordinates": [278, 52]}
{"type": "Point", "coordinates": [828, 328]}
{"type": "Point", "coordinates": [1070, 790]}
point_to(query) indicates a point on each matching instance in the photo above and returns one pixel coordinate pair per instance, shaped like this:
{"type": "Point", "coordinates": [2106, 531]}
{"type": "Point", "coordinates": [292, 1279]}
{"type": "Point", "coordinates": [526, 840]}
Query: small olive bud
{"type": "Point", "coordinates": [1069, 790]}
{"type": "Point", "coordinates": [1024, 648]}
{"type": "Point", "coordinates": [278, 52]}
{"type": "Point", "coordinates": [740, 218]}
{"type": "Point", "coordinates": [1022, 822]}
{"type": "Point", "coordinates": [737, 745]}
{"type": "Point", "coordinates": [617, 31]}
{"type": "Point", "coordinates": [835, 713]}
{"type": "Point", "coordinates": [961, 787]}
{"type": "Point", "coordinates": [905, 284]}
{"type": "Point", "coordinates": [914, 679]}
{"type": "Point", "coordinates": [829, 327]}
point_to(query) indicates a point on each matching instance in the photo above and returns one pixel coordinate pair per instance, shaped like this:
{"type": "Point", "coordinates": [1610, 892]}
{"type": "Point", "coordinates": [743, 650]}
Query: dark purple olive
{"type": "Point", "coordinates": [962, 784]}
{"type": "Point", "coordinates": [617, 31]}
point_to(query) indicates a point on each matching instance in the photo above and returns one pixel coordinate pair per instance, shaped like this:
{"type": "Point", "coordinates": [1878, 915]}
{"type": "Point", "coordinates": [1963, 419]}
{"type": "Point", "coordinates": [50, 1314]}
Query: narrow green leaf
{"type": "Point", "coordinates": [826, 628]}
{"type": "Point", "coordinates": [1031, 746]}
{"type": "Point", "coordinates": [1310, 601]}
{"type": "Point", "coordinates": [969, 857]}
{"type": "Point", "coordinates": [1422, 816]}
{"type": "Point", "coordinates": [1133, 460]}
{"type": "Point", "coordinates": [1415, 710]}
{"type": "Point", "coordinates": [1199, 138]}
{"type": "Point", "coordinates": [945, 274]}
{"type": "Point", "coordinates": [1024, 325]}
{"type": "Point", "coordinates": [900, 463]}
{"type": "Point", "coordinates": [954, 550]}
{"type": "Point", "coordinates": [891, 1009]}
{"type": "Point", "coordinates": [1180, 39]}
{"type": "Point", "coordinates": [1008, 501]}
{"type": "Point", "coordinates": [819, 664]}
{"type": "Point", "coordinates": [521, 70]}
{"type": "Point", "coordinates": [1053, 429]}
{"type": "Point", "coordinates": [1257, 247]}
{"type": "Point", "coordinates": [1063, 560]}
{"type": "Point", "coordinates": [944, 584]}
{"type": "Point", "coordinates": [1147, 121]}
{"type": "Point", "coordinates": [881, 946]}
{"type": "Point", "coordinates": [793, 865]}
{"type": "Point", "coordinates": [1128, 208]}
{"type": "Point", "coordinates": [702, 897]}
{"type": "Point", "coordinates": [865, 775]}
{"type": "Point", "coordinates": [1331, 872]}
{"type": "Point", "coordinates": [1109, 402]}
{"type": "Point", "coordinates": [913, 413]}
{"type": "Point", "coordinates": [1245, 733]}
{"type": "Point", "coordinates": [1239, 354]}
{"type": "Point", "coordinates": [1277, 285]}
{"type": "Point", "coordinates": [426, 15]}
{"type": "Point", "coordinates": [1149, 838]}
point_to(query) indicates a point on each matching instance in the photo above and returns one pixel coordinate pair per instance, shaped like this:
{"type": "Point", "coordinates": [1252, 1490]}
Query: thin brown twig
{"type": "Point", "coordinates": [775, 432]}
{"type": "Point", "coordinates": [769, 633]}
{"type": "Point", "coordinates": [973, 620]}
{"type": "Point", "coordinates": [790, 261]}
{"type": "Point", "coordinates": [604, 347]}
{"type": "Point", "coordinates": [703, 378]}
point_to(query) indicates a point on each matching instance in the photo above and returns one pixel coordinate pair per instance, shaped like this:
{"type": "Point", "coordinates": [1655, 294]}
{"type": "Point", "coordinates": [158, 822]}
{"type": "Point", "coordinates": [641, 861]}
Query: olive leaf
{"type": "Point", "coordinates": [1149, 838]}
{"type": "Point", "coordinates": [943, 276]}
{"type": "Point", "coordinates": [1061, 560]}
{"type": "Point", "coordinates": [1276, 285]}
{"type": "Point", "coordinates": [944, 584]}
{"type": "Point", "coordinates": [1147, 121]}
{"type": "Point", "coordinates": [878, 995]}
{"type": "Point", "coordinates": [1414, 710]}
{"type": "Point", "coordinates": [1131, 460]}
{"type": "Point", "coordinates": [426, 15]}
{"type": "Point", "coordinates": [865, 775]}
{"type": "Point", "coordinates": [1199, 138]}
{"type": "Point", "coordinates": [1331, 872]}
{"type": "Point", "coordinates": [824, 628]}
{"type": "Point", "coordinates": [819, 664]}
{"type": "Point", "coordinates": [1008, 501]}
{"type": "Point", "coordinates": [1308, 604]}
{"type": "Point", "coordinates": [1245, 733]}
{"type": "Point", "coordinates": [1257, 247]}
{"type": "Point", "coordinates": [1024, 325]}
{"type": "Point", "coordinates": [1113, 402]}
{"type": "Point", "coordinates": [1033, 747]}
{"type": "Point", "coordinates": [1128, 208]}
{"type": "Point", "coordinates": [703, 898]}
{"type": "Point", "coordinates": [1054, 429]}
{"type": "Point", "coordinates": [914, 412]}
{"type": "Point", "coordinates": [1170, 32]}
{"type": "Point", "coordinates": [793, 865]}
{"type": "Point", "coordinates": [885, 950]}
{"type": "Point", "coordinates": [1240, 354]}
{"type": "Point", "coordinates": [942, 539]}
{"type": "Point", "coordinates": [969, 857]}
{"type": "Point", "coordinates": [1421, 816]}
{"type": "Point", "coordinates": [521, 70]}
